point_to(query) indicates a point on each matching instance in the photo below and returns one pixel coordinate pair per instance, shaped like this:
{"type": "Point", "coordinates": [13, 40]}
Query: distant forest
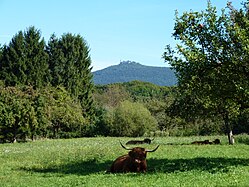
{"type": "Point", "coordinates": [128, 71]}
{"type": "Point", "coordinates": [119, 101]}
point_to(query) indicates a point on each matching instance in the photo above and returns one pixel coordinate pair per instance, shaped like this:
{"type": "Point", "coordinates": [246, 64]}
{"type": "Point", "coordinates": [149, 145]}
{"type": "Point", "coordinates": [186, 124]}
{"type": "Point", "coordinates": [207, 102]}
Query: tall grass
{"type": "Point", "coordinates": [83, 162]}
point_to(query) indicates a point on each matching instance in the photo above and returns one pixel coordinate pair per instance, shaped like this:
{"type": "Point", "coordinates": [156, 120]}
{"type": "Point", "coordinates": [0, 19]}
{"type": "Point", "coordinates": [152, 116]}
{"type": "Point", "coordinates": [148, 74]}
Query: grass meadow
{"type": "Point", "coordinates": [83, 162]}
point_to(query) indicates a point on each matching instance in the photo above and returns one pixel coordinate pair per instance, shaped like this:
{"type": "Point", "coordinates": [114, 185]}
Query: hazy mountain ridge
{"type": "Point", "coordinates": [128, 71]}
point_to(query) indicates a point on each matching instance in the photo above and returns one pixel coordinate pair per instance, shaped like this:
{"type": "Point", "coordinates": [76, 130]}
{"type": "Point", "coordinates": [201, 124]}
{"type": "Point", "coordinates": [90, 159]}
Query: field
{"type": "Point", "coordinates": [83, 162]}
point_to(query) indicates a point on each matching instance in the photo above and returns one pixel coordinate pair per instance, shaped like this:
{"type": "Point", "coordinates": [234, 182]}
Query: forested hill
{"type": "Point", "coordinates": [128, 71]}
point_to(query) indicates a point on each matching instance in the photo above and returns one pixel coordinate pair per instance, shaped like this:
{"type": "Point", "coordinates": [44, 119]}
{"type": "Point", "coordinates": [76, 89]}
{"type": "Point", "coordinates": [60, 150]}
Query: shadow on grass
{"type": "Point", "coordinates": [77, 168]}
{"type": "Point", "coordinates": [211, 165]}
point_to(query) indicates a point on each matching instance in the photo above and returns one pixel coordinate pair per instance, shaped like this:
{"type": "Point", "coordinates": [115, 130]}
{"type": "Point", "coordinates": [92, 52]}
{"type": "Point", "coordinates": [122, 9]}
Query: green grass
{"type": "Point", "coordinates": [83, 162]}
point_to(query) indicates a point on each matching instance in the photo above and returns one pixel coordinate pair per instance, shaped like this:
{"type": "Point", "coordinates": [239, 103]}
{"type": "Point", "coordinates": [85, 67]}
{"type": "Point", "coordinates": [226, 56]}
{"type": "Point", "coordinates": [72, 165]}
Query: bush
{"type": "Point", "coordinates": [49, 112]}
{"type": "Point", "coordinates": [17, 119]}
{"type": "Point", "coordinates": [64, 113]}
{"type": "Point", "coordinates": [131, 119]}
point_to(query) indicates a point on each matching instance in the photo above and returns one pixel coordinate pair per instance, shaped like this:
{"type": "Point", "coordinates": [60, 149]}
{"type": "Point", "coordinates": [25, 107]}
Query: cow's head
{"type": "Point", "coordinates": [147, 140]}
{"type": "Point", "coordinates": [138, 154]}
{"type": "Point", "coordinates": [216, 141]}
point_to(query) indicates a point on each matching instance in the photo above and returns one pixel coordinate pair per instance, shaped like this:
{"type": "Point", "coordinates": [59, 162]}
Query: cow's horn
{"type": "Point", "coordinates": [124, 146]}
{"type": "Point", "coordinates": [153, 149]}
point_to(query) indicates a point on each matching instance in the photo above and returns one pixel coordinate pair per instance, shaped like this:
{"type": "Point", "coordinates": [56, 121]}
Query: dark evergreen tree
{"type": "Point", "coordinates": [24, 60]}
{"type": "Point", "coordinates": [70, 66]}
{"type": "Point", "coordinates": [12, 65]}
{"type": "Point", "coordinates": [1, 52]}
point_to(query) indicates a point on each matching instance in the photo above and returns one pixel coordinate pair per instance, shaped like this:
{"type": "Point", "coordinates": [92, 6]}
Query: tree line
{"type": "Point", "coordinates": [46, 91]}
{"type": "Point", "coordinates": [44, 85]}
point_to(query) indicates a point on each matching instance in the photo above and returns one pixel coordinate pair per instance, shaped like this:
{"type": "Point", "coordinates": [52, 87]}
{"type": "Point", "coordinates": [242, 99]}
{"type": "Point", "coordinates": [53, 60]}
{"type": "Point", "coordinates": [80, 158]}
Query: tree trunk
{"type": "Point", "coordinates": [228, 129]}
{"type": "Point", "coordinates": [14, 138]}
{"type": "Point", "coordinates": [230, 137]}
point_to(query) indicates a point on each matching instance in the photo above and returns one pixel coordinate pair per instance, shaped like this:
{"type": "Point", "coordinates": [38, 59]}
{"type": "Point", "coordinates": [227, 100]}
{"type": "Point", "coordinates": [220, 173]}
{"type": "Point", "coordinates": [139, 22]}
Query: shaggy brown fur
{"type": "Point", "coordinates": [205, 142]}
{"type": "Point", "coordinates": [146, 140]}
{"type": "Point", "coordinates": [134, 161]}
{"type": "Point", "coordinates": [216, 141]}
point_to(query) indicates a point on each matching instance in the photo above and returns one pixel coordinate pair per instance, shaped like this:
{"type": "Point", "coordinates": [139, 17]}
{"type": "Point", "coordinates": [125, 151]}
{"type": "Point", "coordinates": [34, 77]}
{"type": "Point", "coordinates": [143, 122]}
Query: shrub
{"type": "Point", "coordinates": [64, 113]}
{"type": "Point", "coordinates": [131, 119]}
{"type": "Point", "coordinates": [49, 112]}
{"type": "Point", "coordinates": [17, 119]}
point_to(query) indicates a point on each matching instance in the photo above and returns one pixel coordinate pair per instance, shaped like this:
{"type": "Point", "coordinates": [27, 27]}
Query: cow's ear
{"type": "Point", "coordinates": [131, 154]}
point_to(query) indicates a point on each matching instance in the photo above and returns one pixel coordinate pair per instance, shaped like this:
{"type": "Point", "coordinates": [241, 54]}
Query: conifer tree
{"type": "Point", "coordinates": [24, 60]}
{"type": "Point", "coordinates": [1, 52]}
{"type": "Point", "coordinates": [70, 66]}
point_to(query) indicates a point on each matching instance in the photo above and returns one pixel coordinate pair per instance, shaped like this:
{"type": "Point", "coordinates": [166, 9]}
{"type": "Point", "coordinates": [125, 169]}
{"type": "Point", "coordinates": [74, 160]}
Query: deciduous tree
{"type": "Point", "coordinates": [211, 63]}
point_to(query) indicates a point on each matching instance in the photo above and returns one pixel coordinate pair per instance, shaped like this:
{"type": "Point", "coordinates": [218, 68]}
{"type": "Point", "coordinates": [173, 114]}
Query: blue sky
{"type": "Point", "coordinates": [116, 30]}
